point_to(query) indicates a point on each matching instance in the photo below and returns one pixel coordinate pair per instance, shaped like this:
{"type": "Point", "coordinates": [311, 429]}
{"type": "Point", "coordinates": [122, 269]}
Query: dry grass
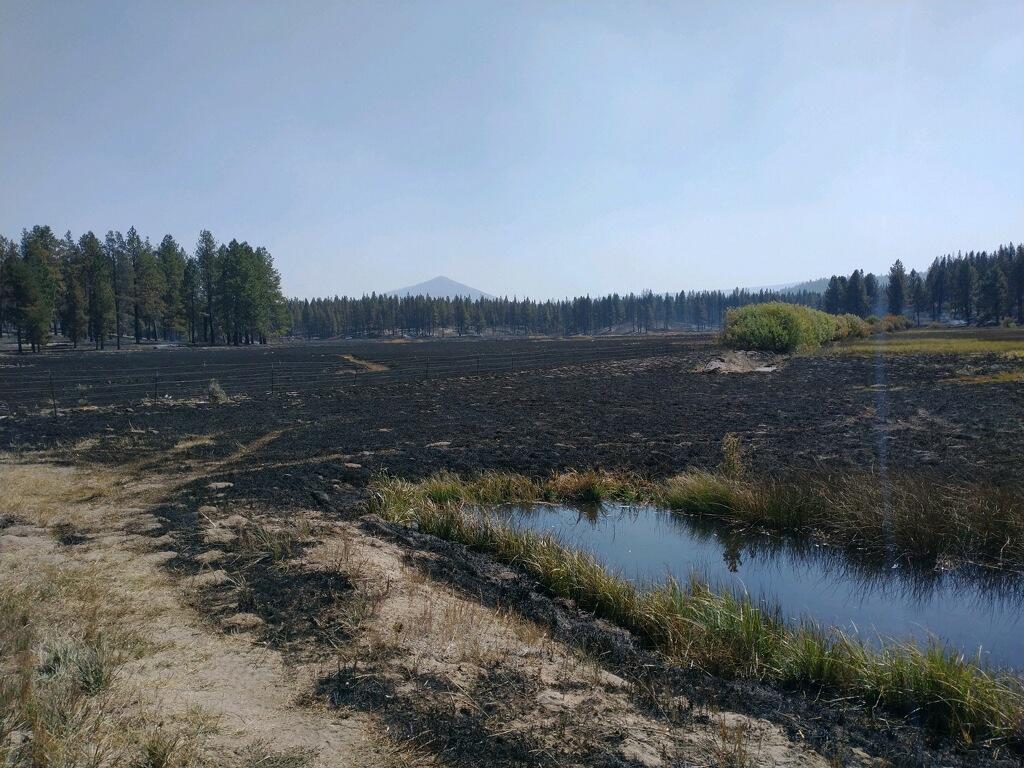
{"type": "Point", "coordinates": [366, 365]}
{"type": "Point", "coordinates": [256, 542]}
{"type": "Point", "coordinates": [1003, 377]}
{"type": "Point", "coordinates": [216, 394]}
{"type": "Point", "coordinates": [67, 631]}
{"type": "Point", "coordinates": [44, 495]}
{"type": "Point", "coordinates": [932, 342]}
{"type": "Point", "coordinates": [65, 637]}
{"type": "Point", "coordinates": [732, 745]}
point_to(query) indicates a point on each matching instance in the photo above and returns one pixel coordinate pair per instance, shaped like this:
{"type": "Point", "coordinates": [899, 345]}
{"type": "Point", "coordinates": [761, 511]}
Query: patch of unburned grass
{"type": "Point", "coordinates": [257, 542]}
{"type": "Point", "coordinates": [65, 637]}
{"type": "Point", "coordinates": [42, 494]}
{"type": "Point", "coordinates": [366, 365]}
{"type": "Point", "coordinates": [724, 633]}
{"type": "Point", "coordinates": [1002, 377]}
{"type": "Point", "coordinates": [951, 342]}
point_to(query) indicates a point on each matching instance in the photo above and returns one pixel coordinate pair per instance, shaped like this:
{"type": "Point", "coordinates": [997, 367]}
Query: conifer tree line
{"type": "Point", "coordinates": [977, 287]}
{"type": "Point", "coordinates": [122, 289]}
{"type": "Point", "coordinates": [381, 315]}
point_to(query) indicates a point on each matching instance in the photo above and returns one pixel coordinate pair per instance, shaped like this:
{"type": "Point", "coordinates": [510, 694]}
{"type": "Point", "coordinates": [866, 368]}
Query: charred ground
{"type": "Point", "coordinates": [624, 404]}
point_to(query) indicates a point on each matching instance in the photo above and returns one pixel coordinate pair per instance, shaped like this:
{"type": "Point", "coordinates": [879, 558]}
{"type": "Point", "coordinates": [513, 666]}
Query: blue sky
{"type": "Point", "coordinates": [540, 149]}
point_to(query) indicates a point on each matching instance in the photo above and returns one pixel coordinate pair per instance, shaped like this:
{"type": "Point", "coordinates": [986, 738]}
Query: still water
{"type": "Point", "coordinates": [965, 609]}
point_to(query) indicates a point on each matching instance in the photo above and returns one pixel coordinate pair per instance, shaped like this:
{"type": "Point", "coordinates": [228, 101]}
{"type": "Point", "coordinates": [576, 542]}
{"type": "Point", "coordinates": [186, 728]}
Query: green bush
{"type": "Point", "coordinates": [778, 327]}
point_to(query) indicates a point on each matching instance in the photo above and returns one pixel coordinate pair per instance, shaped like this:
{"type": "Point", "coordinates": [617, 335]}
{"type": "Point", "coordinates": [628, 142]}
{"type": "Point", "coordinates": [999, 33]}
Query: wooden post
{"type": "Point", "coordinates": [53, 396]}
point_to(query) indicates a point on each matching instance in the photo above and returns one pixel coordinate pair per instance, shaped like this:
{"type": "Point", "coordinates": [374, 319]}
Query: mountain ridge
{"type": "Point", "coordinates": [438, 287]}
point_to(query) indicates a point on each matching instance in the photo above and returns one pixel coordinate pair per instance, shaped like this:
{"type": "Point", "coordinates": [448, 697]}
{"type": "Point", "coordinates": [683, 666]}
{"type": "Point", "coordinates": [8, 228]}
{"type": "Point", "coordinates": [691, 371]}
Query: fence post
{"type": "Point", "coordinates": [513, 362]}
{"type": "Point", "coordinates": [427, 370]}
{"type": "Point", "coordinates": [478, 365]}
{"type": "Point", "coordinates": [271, 377]}
{"type": "Point", "coordinates": [156, 386]}
{"type": "Point", "coordinates": [53, 396]}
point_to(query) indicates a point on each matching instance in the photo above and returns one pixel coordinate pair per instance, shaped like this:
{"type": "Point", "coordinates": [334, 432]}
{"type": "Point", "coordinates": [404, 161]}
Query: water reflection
{"type": "Point", "coordinates": [970, 607]}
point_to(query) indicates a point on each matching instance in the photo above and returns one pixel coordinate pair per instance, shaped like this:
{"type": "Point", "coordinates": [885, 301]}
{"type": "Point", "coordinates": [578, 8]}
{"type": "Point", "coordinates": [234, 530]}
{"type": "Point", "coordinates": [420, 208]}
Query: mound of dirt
{"type": "Point", "coordinates": [742, 362]}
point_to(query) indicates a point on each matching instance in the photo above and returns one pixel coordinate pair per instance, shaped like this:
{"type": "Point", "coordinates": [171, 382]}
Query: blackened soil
{"type": "Point", "coordinates": [654, 416]}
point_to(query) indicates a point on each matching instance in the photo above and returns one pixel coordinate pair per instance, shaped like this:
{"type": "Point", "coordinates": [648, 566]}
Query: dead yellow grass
{"type": "Point", "coordinates": [42, 494]}
{"type": "Point", "coordinates": [368, 365]}
{"type": "Point", "coordinates": [936, 342]}
{"type": "Point", "coordinates": [1003, 377]}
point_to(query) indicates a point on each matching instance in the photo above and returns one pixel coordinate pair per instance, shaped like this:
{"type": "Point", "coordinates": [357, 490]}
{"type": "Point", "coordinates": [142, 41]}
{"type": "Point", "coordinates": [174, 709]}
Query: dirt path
{"type": "Point", "coordinates": [221, 698]}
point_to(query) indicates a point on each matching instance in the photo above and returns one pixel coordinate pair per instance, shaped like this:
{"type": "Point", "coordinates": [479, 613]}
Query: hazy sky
{"type": "Point", "coordinates": [547, 149]}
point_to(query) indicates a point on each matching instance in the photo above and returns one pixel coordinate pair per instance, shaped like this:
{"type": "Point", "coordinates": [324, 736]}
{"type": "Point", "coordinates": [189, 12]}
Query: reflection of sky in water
{"type": "Point", "coordinates": [967, 609]}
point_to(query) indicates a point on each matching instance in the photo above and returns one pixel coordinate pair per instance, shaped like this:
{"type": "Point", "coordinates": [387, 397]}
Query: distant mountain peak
{"type": "Point", "coordinates": [439, 287]}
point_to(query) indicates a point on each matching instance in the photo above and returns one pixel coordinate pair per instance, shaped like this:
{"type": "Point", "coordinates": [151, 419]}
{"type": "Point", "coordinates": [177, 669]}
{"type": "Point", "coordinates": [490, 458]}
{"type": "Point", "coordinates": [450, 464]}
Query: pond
{"type": "Point", "coordinates": [969, 609]}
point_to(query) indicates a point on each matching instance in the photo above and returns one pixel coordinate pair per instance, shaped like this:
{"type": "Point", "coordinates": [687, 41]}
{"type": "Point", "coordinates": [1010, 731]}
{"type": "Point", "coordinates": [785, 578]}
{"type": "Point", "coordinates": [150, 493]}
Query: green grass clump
{"type": "Point", "coordinates": [728, 634]}
{"type": "Point", "coordinates": [779, 327]}
{"type": "Point", "coordinates": [485, 488]}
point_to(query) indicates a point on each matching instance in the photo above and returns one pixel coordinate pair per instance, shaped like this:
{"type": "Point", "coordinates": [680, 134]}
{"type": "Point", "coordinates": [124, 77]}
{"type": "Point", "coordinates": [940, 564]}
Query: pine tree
{"type": "Point", "coordinates": [98, 279]}
{"type": "Point", "coordinates": [871, 289]}
{"type": "Point", "coordinates": [992, 294]}
{"type": "Point", "coordinates": [8, 250]}
{"type": "Point", "coordinates": [966, 286]}
{"type": "Point", "coordinates": [918, 294]}
{"type": "Point", "coordinates": [833, 300]}
{"type": "Point", "coordinates": [121, 280]}
{"type": "Point", "coordinates": [206, 256]}
{"type": "Point", "coordinates": [73, 318]}
{"type": "Point", "coordinates": [856, 297]}
{"type": "Point", "coordinates": [896, 291]}
{"type": "Point", "coordinates": [39, 286]}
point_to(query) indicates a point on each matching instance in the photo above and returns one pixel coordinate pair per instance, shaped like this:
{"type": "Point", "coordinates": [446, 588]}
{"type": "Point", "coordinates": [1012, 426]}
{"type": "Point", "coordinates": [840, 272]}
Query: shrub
{"type": "Point", "coordinates": [778, 327]}
{"type": "Point", "coordinates": [216, 393]}
{"type": "Point", "coordinates": [852, 327]}
{"type": "Point", "coordinates": [889, 323]}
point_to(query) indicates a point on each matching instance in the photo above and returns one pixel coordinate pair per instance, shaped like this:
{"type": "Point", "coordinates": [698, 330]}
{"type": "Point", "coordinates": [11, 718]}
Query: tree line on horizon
{"type": "Point", "coordinates": [976, 287]}
{"type": "Point", "coordinates": [383, 315]}
{"type": "Point", "coordinates": [123, 287]}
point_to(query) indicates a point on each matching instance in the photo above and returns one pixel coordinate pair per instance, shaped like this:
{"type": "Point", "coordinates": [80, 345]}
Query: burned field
{"type": "Point", "coordinates": [625, 405]}
{"type": "Point", "coordinates": [461, 659]}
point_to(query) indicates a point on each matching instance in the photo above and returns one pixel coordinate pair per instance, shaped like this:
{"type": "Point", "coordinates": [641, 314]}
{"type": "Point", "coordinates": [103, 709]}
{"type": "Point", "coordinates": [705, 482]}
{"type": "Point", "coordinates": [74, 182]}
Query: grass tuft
{"type": "Point", "coordinates": [215, 392]}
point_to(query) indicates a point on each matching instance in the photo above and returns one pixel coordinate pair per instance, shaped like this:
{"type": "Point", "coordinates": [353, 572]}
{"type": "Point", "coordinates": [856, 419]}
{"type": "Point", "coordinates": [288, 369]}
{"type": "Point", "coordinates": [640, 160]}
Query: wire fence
{"type": "Point", "coordinates": [61, 389]}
